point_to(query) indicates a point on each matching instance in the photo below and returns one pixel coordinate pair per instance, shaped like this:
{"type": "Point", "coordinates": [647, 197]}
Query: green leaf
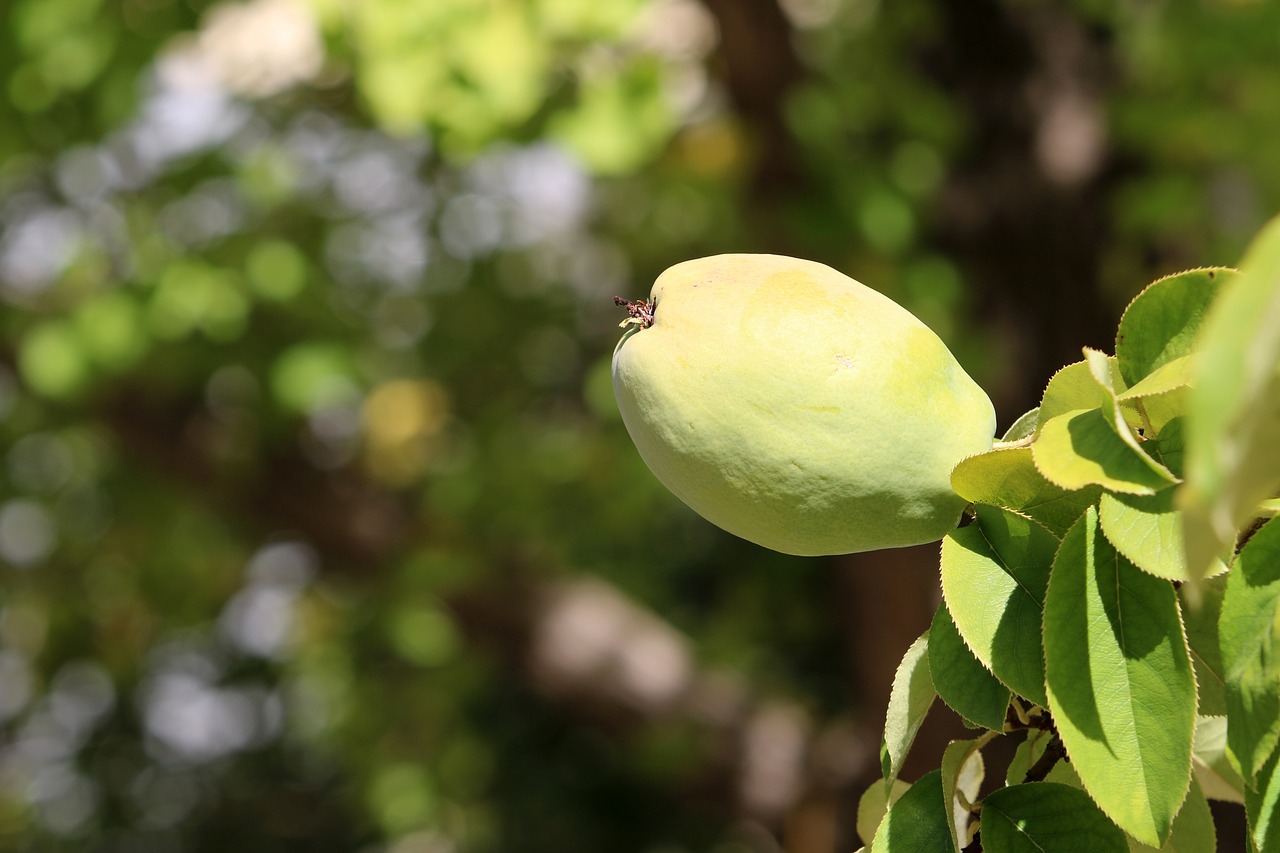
{"type": "Point", "coordinates": [1193, 830]}
{"type": "Point", "coordinates": [1008, 477]}
{"type": "Point", "coordinates": [962, 774]}
{"type": "Point", "coordinates": [1262, 808]}
{"type": "Point", "coordinates": [1213, 771]}
{"type": "Point", "coordinates": [1155, 411]}
{"type": "Point", "coordinates": [1104, 371]}
{"type": "Point", "coordinates": [1169, 444]}
{"type": "Point", "coordinates": [1071, 388]}
{"type": "Point", "coordinates": [1026, 755]}
{"type": "Point", "coordinates": [918, 822]}
{"type": "Point", "coordinates": [1201, 621]}
{"type": "Point", "coordinates": [1023, 427]}
{"type": "Point", "coordinates": [1165, 378]}
{"type": "Point", "coordinates": [874, 804]}
{"type": "Point", "coordinates": [1120, 682]}
{"type": "Point", "coordinates": [994, 574]}
{"type": "Point", "coordinates": [1081, 448]}
{"type": "Point", "coordinates": [1147, 530]}
{"type": "Point", "coordinates": [1046, 817]}
{"type": "Point", "coordinates": [1249, 632]}
{"type": "Point", "coordinates": [1233, 418]}
{"type": "Point", "coordinates": [1161, 322]}
{"type": "Point", "coordinates": [961, 680]}
{"type": "Point", "coordinates": [910, 698]}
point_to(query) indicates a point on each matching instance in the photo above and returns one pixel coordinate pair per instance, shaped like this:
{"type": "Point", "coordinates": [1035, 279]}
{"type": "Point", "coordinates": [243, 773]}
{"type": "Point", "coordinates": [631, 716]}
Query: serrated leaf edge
{"type": "Point", "coordinates": [1218, 573]}
{"type": "Point", "coordinates": [893, 688]}
{"type": "Point", "coordinates": [1160, 280]}
{"type": "Point", "coordinates": [1036, 462]}
{"type": "Point", "coordinates": [943, 603]}
{"type": "Point", "coordinates": [1040, 421]}
{"type": "Point", "coordinates": [942, 591]}
{"type": "Point", "coordinates": [1067, 750]}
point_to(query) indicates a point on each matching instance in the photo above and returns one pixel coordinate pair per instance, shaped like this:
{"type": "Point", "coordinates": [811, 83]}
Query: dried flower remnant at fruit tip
{"type": "Point", "coordinates": [639, 313]}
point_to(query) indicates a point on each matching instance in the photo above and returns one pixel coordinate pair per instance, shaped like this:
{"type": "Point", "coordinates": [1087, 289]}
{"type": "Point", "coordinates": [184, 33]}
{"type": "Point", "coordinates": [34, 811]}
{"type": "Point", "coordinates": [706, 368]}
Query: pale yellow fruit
{"type": "Point", "coordinates": [796, 408]}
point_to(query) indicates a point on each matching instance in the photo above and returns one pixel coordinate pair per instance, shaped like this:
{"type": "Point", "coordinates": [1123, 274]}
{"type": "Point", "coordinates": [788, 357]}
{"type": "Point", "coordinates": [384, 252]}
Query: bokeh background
{"type": "Point", "coordinates": [318, 526]}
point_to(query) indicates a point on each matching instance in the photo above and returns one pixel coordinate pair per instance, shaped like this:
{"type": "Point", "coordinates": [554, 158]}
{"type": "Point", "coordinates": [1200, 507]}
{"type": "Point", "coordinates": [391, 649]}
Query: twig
{"type": "Point", "coordinates": [1054, 751]}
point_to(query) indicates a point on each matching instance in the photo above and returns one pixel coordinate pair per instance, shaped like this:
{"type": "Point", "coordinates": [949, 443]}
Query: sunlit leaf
{"type": "Point", "coordinates": [1159, 326]}
{"type": "Point", "coordinates": [1213, 770]}
{"type": "Point", "coordinates": [1249, 632]}
{"type": "Point", "coordinates": [1262, 807]}
{"type": "Point", "coordinates": [1008, 477]}
{"type": "Point", "coordinates": [1081, 448]}
{"type": "Point", "coordinates": [1193, 829]}
{"type": "Point", "coordinates": [918, 822]}
{"type": "Point", "coordinates": [1201, 621]}
{"type": "Point", "coordinates": [1233, 421]}
{"type": "Point", "coordinates": [1120, 682]}
{"type": "Point", "coordinates": [1026, 755]}
{"type": "Point", "coordinates": [874, 804]}
{"type": "Point", "coordinates": [1169, 376]}
{"type": "Point", "coordinates": [1046, 817]}
{"type": "Point", "coordinates": [910, 698]}
{"type": "Point", "coordinates": [994, 575]}
{"type": "Point", "coordinates": [1070, 389]}
{"type": "Point", "coordinates": [1147, 530]}
{"type": "Point", "coordinates": [962, 773]}
{"type": "Point", "coordinates": [961, 680]}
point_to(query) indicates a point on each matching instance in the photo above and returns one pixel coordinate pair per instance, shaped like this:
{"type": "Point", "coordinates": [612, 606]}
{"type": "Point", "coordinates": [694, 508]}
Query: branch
{"type": "Point", "coordinates": [1054, 751]}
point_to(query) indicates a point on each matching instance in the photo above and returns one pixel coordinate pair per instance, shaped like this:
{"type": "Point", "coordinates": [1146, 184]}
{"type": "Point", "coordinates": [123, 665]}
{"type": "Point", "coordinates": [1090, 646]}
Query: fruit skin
{"type": "Point", "coordinates": [796, 408]}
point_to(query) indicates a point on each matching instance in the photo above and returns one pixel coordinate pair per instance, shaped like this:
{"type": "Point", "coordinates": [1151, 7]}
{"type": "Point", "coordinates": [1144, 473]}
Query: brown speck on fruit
{"type": "Point", "coordinates": [639, 313]}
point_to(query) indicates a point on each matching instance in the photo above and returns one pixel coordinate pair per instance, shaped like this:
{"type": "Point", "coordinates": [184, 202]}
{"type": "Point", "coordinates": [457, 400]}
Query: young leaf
{"type": "Point", "coordinates": [961, 680]}
{"type": "Point", "coordinates": [1008, 477]}
{"type": "Point", "coordinates": [1233, 419]}
{"type": "Point", "coordinates": [1262, 808]}
{"type": "Point", "coordinates": [1161, 322]}
{"type": "Point", "coordinates": [1193, 830]}
{"type": "Point", "coordinates": [962, 773]}
{"type": "Point", "coordinates": [1104, 371]}
{"type": "Point", "coordinates": [1120, 682]}
{"type": "Point", "coordinates": [918, 822]}
{"type": "Point", "coordinates": [1201, 621]}
{"type": "Point", "coordinates": [1071, 388]}
{"type": "Point", "coordinates": [1082, 448]}
{"type": "Point", "coordinates": [1046, 817]}
{"type": "Point", "coordinates": [1147, 530]}
{"type": "Point", "coordinates": [1213, 771]}
{"type": "Point", "coordinates": [910, 698]}
{"type": "Point", "coordinates": [1249, 632]}
{"type": "Point", "coordinates": [1165, 378]}
{"type": "Point", "coordinates": [874, 804]}
{"type": "Point", "coordinates": [994, 574]}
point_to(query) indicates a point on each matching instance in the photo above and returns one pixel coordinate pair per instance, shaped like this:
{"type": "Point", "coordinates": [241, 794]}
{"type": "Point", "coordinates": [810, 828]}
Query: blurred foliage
{"type": "Point", "coordinates": [304, 391]}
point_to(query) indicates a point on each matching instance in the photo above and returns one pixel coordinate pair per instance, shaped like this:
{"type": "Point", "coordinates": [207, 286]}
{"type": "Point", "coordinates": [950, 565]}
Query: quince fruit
{"type": "Point", "coordinates": [796, 408]}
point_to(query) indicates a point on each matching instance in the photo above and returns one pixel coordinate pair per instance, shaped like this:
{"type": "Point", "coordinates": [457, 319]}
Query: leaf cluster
{"type": "Point", "coordinates": [1114, 598]}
